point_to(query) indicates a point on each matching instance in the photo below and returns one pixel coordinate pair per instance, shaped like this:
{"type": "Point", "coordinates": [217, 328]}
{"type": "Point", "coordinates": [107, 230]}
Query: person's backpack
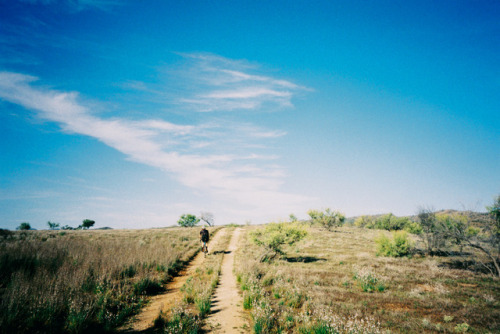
{"type": "Point", "coordinates": [204, 235]}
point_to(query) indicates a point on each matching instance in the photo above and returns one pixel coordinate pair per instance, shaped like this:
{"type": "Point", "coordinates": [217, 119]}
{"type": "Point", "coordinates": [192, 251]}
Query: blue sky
{"type": "Point", "coordinates": [132, 113]}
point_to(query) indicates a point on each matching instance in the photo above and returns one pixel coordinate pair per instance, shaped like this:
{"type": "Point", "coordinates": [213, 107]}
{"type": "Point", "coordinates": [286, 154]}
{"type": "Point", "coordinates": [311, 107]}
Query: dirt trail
{"type": "Point", "coordinates": [226, 314]}
{"type": "Point", "coordinates": [173, 296]}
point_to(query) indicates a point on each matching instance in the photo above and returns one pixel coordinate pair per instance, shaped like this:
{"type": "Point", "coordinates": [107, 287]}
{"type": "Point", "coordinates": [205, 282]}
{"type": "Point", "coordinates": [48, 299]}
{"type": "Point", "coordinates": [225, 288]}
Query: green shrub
{"type": "Point", "coordinates": [364, 221]}
{"type": "Point", "coordinates": [328, 219]}
{"type": "Point", "coordinates": [413, 227]}
{"type": "Point", "coordinates": [389, 222]}
{"type": "Point", "coordinates": [275, 235]}
{"type": "Point", "coordinates": [399, 246]}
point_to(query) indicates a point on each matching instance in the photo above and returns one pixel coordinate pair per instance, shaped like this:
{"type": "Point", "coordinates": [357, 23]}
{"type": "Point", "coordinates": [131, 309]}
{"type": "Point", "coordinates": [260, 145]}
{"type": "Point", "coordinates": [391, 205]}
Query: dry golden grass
{"type": "Point", "coordinates": [76, 281]}
{"type": "Point", "coordinates": [333, 282]}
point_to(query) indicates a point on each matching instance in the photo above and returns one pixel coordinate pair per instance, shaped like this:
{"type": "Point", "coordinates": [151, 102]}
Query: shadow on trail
{"type": "Point", "coordinates": [215, 311]}
{"type": "Point", "coordinates": [221, 252]}
{"type": "Point", "coordinates": [304, 259]}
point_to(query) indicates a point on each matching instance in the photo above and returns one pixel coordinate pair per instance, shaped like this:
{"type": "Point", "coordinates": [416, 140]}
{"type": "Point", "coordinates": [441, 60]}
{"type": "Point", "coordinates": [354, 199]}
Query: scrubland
{"type": "Point", "coordinates": [333, 282]}
{"type": "Point", "coordinates": [85, 281]}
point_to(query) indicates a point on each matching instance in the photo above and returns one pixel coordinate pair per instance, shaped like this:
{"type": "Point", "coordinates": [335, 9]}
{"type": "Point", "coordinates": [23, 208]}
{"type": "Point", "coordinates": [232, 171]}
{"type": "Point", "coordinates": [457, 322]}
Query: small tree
{"type": "Point", "coordinates": [293, 218]}
{"type": "Point", "coordinates": [87, 223]}
{"type": "Point", "coordinates": [53, 226]}
{"type": "Point", "coordinates": [328, 219]}
{"type": "Point", "coordinates": [390, 222]}
{"type": "Point", "coordinates": [443, 230]}
{"type": "Point", "coordinates": [24, 226]}
{"type": "Point", "coordinates": [485, 239]}
{"type": "Point", "coordinates": [494, 212]}
{"type": "Point", "coordinates": [364, 221]}
{"type": "Point", "coordinates": [188, 220]}
{"type": "Point", "coordinates": [431, 233]}
{"type": "Point", "coordinates": [208, 218]}
{"type": "Point", "coordinates": [275, 235]}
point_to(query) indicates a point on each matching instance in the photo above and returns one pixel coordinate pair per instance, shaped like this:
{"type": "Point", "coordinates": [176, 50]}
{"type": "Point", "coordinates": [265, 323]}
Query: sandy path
{"type": "Point", "coordinates": [226, 314]}
{"type": "Point", "coordinates": [173, 296]}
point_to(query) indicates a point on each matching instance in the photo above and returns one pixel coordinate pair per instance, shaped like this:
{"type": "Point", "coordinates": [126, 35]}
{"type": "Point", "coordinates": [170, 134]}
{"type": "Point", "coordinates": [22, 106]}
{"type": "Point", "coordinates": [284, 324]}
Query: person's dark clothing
{"type": "Point", "coordinates": [204, 235]}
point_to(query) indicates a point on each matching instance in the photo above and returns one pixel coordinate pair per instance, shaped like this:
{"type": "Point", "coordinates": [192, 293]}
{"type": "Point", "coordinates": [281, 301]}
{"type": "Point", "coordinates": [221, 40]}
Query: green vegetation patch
{"type": "Point", "coordinates": [399, 245]}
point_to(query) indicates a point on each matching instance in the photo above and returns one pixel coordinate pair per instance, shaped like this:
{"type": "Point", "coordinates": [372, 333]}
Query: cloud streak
{"type": "Point", "coordinates": [222, 84]}
{"type": "Point", "coordinates": [230, 178]}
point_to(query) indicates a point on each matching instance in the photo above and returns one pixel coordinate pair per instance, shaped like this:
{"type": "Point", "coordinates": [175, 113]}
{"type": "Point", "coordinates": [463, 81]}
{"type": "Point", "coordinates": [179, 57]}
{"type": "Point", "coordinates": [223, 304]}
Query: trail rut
{"type": "Point", "coordinates": [227, 315]}
{"type": "Point", "coordinates": [173, 296]}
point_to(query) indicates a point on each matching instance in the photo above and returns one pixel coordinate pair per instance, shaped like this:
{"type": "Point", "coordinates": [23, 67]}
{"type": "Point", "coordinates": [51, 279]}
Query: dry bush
{"type": "Point", "coordinates": [78, 281]}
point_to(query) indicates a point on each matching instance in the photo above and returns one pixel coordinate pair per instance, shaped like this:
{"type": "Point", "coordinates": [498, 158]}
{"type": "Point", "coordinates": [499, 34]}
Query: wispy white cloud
{"type": "Point", "coordinates": [167, 126]}
{"type": "Point", "coordinates": [245, 93]}
{"type": "Point", "coordinates": [220, 84]}
{"type": "Point", "coordinates": [236, 76]}
{"type": "Point", "coordinates": [134, 85]}
{"type": "Point", "coordinates": [226, 177]}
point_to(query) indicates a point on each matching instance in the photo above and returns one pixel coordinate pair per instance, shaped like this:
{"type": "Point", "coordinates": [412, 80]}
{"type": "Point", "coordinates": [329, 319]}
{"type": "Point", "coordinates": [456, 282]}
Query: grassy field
{"type": "Point", "coordinates": [332, 282]}
{"type": "Point", "coordinates": [85, 281]}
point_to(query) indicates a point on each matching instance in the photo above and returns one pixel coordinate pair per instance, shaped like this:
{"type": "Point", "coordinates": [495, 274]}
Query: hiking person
{"type": "Point", "coordinates": [204, 236]}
